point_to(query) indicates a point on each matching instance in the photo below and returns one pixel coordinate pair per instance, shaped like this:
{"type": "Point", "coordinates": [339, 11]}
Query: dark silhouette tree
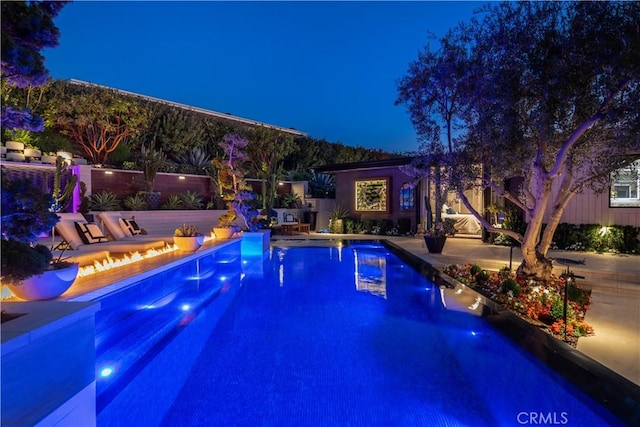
{"type": "Point", "coordinates": [27, 28]}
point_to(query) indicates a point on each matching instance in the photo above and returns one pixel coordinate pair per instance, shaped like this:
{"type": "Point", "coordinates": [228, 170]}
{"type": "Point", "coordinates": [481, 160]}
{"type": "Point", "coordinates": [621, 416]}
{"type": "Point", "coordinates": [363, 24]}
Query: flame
{"type": "Point", "coordinates": [110, 263]}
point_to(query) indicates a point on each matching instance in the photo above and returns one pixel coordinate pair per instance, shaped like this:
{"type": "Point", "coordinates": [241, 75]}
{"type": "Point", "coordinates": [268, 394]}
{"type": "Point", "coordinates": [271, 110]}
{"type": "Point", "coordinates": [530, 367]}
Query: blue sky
{"type": "Point", "coordinates": [326, 68]}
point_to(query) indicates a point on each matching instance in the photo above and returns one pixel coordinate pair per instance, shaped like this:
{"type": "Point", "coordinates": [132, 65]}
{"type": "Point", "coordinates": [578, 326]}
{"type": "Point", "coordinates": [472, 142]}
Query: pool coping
{"type": "Point", "coordinates": [620, 396]}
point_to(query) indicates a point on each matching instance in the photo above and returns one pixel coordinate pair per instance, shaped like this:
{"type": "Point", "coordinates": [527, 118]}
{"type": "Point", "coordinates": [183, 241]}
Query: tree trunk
{"type": "Point", "coordinates": [541, 268]}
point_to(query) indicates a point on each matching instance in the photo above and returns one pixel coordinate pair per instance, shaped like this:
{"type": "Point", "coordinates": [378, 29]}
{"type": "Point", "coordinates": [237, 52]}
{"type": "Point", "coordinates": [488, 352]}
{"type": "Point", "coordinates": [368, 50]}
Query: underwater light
{"type": "Point", "coordinates": [474, 333]}
{"type": "Point", "coordinates": [185, 307]}
{"type": "Point", "coordinates": [105, 372]}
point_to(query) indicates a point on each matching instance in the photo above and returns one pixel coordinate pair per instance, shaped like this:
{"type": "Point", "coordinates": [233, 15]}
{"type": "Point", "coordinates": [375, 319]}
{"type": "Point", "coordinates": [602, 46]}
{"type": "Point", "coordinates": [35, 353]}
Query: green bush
{"type": "Point", "coordinates": [385, 225]}
{"type": "Point", "coordinates": [404, 226]}
{"type": "Point", "coordinates": [174, 202]}
{"type": "Point", "coordinates": [482, 277]}
{"type": "Point", "coordinates": [191, 200]}
{"type": "Point", "coordinates": [509, 284]}
{"type": "Point", "coordinates": [367, 226]}
{"type": "Point", "coordinates": [104, 201]}
{"type": "Point", "coordinates": [350, 225]}
{"type": "Point", "coordinates": [594, 237]}
{"type": "Point", "coordinates": [135, 203]}
{"type": "Point", "coordinates": [557, 309]}
{"type": "Point", "coordinates": [475, 269]}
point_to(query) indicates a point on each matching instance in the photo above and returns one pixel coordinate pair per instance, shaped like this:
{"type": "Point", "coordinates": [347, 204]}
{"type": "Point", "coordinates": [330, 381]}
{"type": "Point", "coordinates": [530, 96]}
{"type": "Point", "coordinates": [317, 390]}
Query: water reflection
{"type": "Point", "coordinates": [370, 272]}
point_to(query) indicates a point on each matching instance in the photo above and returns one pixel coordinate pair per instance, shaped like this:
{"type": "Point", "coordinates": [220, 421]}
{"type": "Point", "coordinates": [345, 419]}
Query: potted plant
{"type": "Point", "coordinates": [336, 220]}
{"type": "Point", "coordinates": [187, 238]}
{"type": "Point", "coordinates": [28, 268]}
{"type": "Point", "coordinates": [436, 237]}
{"type": "Point", "coordinates": [225, 228]}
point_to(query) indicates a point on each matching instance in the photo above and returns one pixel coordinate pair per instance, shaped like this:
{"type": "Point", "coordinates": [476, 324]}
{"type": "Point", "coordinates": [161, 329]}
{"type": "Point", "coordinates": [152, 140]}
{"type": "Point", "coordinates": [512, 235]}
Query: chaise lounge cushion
{"type": "Point", "coordinates": [66, 227]}
{"type": "Point", "coordinates": [119, 227]}
{"type": "Point", "coordinates": [130, 227]}
{"type": "Point", "coordinates": [90, 232]}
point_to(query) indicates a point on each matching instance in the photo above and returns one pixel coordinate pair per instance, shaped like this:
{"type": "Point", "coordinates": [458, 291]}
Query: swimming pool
{"type": "Point", "coordinates": [345, 335]}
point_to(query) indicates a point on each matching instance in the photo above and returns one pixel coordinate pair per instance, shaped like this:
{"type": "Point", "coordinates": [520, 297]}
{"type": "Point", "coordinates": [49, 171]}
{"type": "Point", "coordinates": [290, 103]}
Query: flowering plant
{"type": "Point", "coordinates": [540, 302]}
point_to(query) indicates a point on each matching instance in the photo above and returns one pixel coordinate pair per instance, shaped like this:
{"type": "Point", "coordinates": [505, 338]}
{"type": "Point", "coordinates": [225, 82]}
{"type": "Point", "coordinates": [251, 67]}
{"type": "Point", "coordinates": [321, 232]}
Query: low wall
{"type": "Point", "coordinates": [164, 222]}
{"type": "Point", "coordinates": [48, 364]}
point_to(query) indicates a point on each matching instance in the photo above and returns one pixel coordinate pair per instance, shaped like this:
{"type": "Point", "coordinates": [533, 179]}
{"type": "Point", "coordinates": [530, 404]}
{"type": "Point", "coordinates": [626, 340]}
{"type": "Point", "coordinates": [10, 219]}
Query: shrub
{"type": "Point", "coordinates": [104, 201]}
{"type": "Point", "coordinates": [174, 202]}
{"type": "Point", "coordinates": [350, 225]}
{"type": "Point", "coordinates": [367, 226]}
{"type": "Point", "coordinates": [191, 200]}
{"type": "Point", "coordinates": [482, 277]}
{"type": "Point", "coordinates": [509, 284]}
{"type": "Point", "coordinates": [385, 225]}
{"type": "Point", "coordinates": [404, 226]}
{"type": "Point", "coordinates": [475, 269]}
{"type": "Point", "coordinates": [135, 203]}
{"type": "Point", "coordinates": [593, 237]}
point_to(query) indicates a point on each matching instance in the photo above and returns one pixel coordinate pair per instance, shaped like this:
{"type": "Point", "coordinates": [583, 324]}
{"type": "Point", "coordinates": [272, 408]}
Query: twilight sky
{"type": "Point", "coordinates": [326, 68]}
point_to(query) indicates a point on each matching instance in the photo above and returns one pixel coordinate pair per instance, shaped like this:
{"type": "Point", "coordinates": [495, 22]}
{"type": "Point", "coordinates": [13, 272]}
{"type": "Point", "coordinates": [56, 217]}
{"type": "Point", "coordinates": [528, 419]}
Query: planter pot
{"type": "Point", "coordinates": [48, 285]}
{"type": "Point", "coordinates": [223, 232]}
{"type": "Point", "coordinates": [435, 243]}
{"type": "Point", "coordinates": [336, 226]}
{"type": "Point", "coordinates": [152, 198]}
{"type": "Point", "coordinates": [189, 244]}
{"type": "Point", "coordinates": [49, 160]}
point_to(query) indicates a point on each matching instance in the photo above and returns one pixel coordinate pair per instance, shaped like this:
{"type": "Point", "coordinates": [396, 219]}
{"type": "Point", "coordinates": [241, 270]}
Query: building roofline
{"type": "Point", "coordinates": [374, 164]}
{"type": "Point", "coordinates": [194, 109]}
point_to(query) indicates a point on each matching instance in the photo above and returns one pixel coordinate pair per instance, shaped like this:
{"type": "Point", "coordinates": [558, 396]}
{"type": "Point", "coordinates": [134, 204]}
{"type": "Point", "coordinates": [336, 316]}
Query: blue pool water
{"type": "Point", "coordinates": [329, 336]}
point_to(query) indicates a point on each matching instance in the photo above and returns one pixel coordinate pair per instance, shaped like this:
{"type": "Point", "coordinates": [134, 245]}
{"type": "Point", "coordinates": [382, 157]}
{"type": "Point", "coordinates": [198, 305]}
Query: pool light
{"type": "Point", "coordinates": [106, 371]}
{"type": "Point", "coordinates": [185, 307]}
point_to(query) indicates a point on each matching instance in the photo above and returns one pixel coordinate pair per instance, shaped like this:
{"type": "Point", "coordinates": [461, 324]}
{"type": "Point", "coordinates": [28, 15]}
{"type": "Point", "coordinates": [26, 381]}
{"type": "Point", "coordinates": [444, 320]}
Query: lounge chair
{"type": "Point", "coordinates": [94, 240]}
{"type": "Point", "coordinates": [124, 229]}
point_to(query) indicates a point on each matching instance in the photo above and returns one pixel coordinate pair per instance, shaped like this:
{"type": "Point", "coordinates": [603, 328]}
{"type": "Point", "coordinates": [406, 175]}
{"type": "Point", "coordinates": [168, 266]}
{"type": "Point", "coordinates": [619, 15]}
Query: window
{"type": "Point", "coordinates": [407, 196]}
{"type": "Point", "coordinates": [625, 183]}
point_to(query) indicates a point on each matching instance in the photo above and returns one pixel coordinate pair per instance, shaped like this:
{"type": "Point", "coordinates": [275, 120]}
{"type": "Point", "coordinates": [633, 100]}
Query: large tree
{"type": "Point", "coordinates": [96, 119]}
{"type": "Point", "coordinates": [548, 95]}
{"type": "Point", "coordinates": [27, 28]}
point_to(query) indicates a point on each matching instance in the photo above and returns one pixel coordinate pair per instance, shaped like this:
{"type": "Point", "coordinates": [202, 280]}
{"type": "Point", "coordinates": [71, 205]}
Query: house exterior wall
{"type": "Point", "coordinates": [591, 208]}
{"type": "Point", "coordinates": [346, 194]}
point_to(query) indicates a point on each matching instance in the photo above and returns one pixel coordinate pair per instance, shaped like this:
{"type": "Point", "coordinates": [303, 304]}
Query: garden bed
{"type": "Point", "coordinates": [541, 303]}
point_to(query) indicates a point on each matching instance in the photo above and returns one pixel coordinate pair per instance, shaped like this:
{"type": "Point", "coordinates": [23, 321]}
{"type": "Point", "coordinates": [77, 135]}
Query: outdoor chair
{"type": "Point", "coordinates": [80, 235]}
{"type": "Point", "coordinates": [290, 224]}
{"type": "Point", "coordinates": [121, 228]}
